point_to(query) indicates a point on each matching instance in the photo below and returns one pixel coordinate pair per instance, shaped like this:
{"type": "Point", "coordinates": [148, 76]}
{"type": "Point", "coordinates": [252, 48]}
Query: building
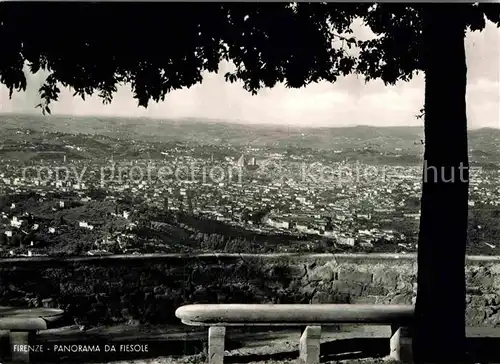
{"type": "Point", "coordinates": [344, 240]}
{"type": "Point", "coordinates": [241, 161]}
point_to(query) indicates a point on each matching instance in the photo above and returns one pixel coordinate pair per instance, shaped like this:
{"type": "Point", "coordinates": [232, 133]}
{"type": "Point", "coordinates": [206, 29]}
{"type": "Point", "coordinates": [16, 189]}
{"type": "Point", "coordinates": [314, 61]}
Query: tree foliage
{"type": "Point", "coordinates": [157, 48]}
{"type": "Point", "coordinates": [160, 47]}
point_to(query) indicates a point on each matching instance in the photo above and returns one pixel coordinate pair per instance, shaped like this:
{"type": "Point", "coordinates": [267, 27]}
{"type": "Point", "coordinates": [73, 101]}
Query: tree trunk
{"type": "Point", "coordinates": [440, 308]}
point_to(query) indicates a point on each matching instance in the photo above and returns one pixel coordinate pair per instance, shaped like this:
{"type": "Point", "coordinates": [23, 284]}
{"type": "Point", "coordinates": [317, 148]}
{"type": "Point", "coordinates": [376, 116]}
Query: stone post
{"type": "Point", "coordinates": [19, 341]}
{"type": "Point", "coordinates": [401, 345]}
{"type": "Point", "coordinates": [216, 338]}
{"type": "Point", "coordinates": [309, 345]}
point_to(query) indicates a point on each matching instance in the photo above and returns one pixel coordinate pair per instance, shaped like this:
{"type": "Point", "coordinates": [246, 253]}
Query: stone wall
{"type": "Point", "coordinates": [149, 288]}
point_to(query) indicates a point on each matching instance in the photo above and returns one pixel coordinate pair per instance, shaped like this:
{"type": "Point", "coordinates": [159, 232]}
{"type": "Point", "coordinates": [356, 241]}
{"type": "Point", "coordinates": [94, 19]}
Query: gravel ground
{"type": "Point", "coordinates": [243, 346]}
{"type": "Point", "coordinates": [257, 347]}
{"type": "Point", "coordinates": [200, 360]}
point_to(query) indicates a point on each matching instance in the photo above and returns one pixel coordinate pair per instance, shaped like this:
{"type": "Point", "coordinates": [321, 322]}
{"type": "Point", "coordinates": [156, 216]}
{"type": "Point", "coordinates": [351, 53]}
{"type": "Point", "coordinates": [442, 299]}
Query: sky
{"type": "Point", "coordinates": [347, 102]}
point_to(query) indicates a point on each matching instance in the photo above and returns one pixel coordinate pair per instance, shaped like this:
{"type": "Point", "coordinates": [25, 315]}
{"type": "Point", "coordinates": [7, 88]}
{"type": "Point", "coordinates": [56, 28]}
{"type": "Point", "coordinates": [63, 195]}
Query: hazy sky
{"type": "Point", "coordinates": [347, 102]}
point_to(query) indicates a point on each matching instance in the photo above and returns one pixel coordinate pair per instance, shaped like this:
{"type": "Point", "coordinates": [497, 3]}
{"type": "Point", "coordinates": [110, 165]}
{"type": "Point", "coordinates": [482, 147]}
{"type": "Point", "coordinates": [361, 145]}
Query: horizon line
{"type": "Point", "coordinates": [226, 121]}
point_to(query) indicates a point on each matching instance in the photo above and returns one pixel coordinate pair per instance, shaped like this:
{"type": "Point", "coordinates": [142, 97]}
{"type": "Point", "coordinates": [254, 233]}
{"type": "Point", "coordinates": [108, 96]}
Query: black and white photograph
{"type": "Point", "coordinates": [249, 182]}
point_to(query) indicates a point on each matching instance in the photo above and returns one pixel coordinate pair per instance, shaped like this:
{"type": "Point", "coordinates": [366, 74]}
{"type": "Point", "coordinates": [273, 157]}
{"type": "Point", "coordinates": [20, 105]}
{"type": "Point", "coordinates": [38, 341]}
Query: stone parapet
{"type": "Point", "coordinates": [149, 288]}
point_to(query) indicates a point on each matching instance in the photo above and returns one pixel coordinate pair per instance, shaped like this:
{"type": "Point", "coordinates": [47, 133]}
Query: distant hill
{"type": "Point", "coordinates": [102, 135]}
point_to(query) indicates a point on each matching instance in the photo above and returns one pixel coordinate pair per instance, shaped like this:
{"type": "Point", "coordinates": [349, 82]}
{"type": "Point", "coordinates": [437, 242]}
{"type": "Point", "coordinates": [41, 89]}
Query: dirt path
{"type": "Point", "coordinates": [186, 345]}
{"type": "Point", "coordinates": [167, 360]}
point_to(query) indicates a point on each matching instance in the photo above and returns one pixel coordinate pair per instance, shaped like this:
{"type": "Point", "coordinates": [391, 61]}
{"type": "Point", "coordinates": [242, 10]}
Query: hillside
{"type": "Point", "coordinates": [97, 137]}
